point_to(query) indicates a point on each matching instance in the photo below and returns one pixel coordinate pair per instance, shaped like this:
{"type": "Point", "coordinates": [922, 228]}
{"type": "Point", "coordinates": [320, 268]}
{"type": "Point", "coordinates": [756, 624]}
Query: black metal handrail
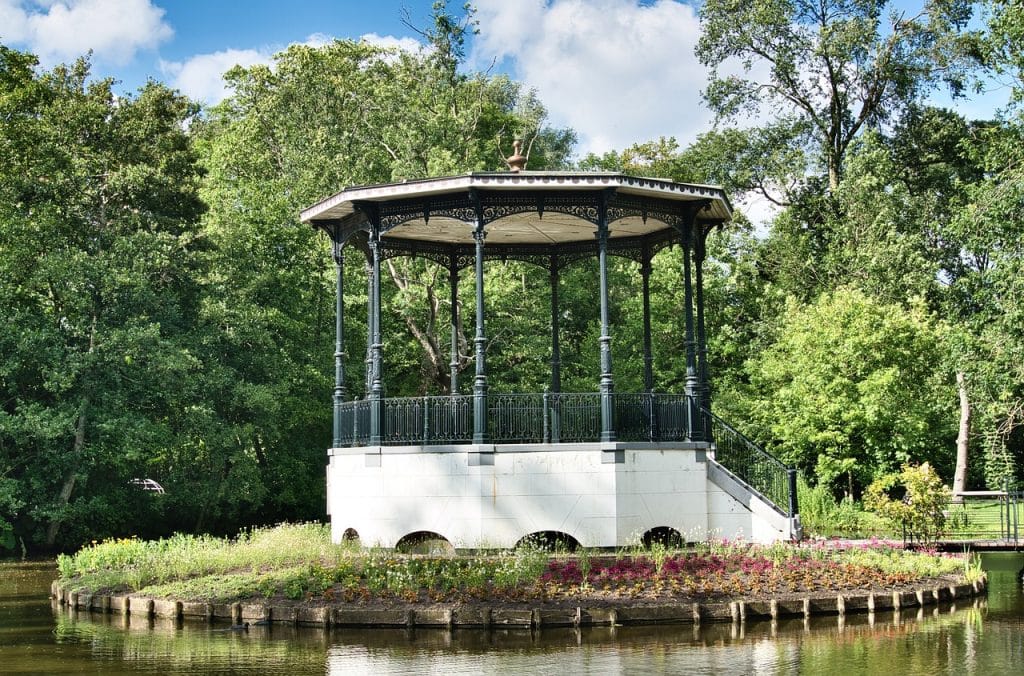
{"type": "Point", "coordinates": [763, 472]}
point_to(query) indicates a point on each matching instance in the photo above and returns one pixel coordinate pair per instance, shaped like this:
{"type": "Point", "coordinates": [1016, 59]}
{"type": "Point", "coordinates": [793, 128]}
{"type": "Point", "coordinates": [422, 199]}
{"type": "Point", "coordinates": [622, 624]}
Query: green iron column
{"type": "Point", "coordinates": [645, 275]}
{"type": "Point", "coordinates": [479, 343]}
{"type": "Point", "coordinates": [339, 337]}
{"type": "Point", "coordinates": [692, 382]}
{"type": "Point", "coordinates": [607, 386]}
{"type": "Point", "coordinates": [556, 351]}
{"type": "Point", "coordinates": [377, 347]}
{"type": "Point", "coordinates": [651, 407]}
{"type": "Point", "coordinates": [453, 284]}
{"type": "Point", "coordinates": [704, 383]}
{"type": "Point", "coordinates": [369, 326]}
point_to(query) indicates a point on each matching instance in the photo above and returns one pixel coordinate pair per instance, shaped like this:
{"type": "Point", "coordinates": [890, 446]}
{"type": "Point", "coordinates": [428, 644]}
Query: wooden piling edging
{"type": "Point", "coordinates": [445, 616]}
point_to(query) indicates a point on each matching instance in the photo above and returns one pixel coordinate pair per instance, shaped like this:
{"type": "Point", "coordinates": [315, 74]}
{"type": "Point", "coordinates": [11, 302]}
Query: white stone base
{"type": "Point", "coordinates": [603, 495]}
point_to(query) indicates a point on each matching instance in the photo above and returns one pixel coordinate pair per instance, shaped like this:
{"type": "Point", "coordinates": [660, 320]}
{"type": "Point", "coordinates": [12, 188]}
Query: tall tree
{"type": "Point", "coordinates": [850, 389]}
{"type": "Point", "coordinates": [827, 69]}
{"type": "Point", "coordinates": [98, 211]}
{"type": "Point", "coordinates": [349, 114]}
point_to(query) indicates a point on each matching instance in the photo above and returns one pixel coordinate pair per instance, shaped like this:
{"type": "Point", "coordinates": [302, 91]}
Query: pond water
{"type": "Point", "coordinates": [984, 636]}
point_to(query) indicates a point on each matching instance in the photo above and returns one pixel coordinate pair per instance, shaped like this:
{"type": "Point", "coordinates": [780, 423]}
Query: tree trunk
{"type": "Point", "coordinates": [70, 476]}
{"type": "Point", "coordinates": [833, 173]}
{"type": "Point", "coordinates": [960, 474]}
{"type": "Point", "coordinates": [435, 364]}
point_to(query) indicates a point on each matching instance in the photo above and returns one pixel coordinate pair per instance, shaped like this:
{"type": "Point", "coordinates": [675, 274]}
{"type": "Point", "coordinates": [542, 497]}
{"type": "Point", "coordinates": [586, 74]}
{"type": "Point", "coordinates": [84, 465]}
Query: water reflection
{"type": "Point", "coordinates": [169, 646]}
{"type": "Point", "coordinates": [986, 636]}
{"type": "Point", "coordinates": [862, 642]}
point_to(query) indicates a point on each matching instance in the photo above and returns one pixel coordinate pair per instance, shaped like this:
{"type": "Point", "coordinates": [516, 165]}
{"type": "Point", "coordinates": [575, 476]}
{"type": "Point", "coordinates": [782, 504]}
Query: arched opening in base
{"type": "Point", "coordinates": [663, 535]}
{"type": "Point", "coordinates": [425, 542]}
{"type": "Point", "coordinates": [549, 541]}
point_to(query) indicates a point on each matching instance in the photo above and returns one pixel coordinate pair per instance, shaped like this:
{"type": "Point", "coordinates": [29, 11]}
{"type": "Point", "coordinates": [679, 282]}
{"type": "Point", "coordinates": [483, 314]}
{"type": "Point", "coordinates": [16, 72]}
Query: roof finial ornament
{"type": "Point", "coordinates": [517, 161]}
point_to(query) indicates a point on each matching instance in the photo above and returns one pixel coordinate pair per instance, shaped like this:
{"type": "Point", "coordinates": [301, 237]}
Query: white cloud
{"type": "Point", "coordinates": [202, 76]}
{"type": "Point", "coordinates": [59, 31]}
{"type": "Point", "coordinates": [390, 42]}
{"type": "Point", "coordinates": [13, 22]}
{"type": "Point", "coordinates": [615, 71]}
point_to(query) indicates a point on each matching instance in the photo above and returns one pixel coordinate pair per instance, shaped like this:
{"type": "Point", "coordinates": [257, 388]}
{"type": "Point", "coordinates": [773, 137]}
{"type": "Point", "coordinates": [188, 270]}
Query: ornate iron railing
{"type": "Point", "coordinates": [763, 472]}
{"type": "Point", "coordinates": [635, 417]}
{"type": "Point", "coordinates": [673, 413]}
{"type": "Point", "coordinates": [552, 417]}
{"type": "Point", "coordinates": [516, 418]}
{"type": "Point", "coordinates": [575, 417]}
{"type": "Point", "coordinates": [409, 420]}
{"type": "Point", "coordinates": [449, 419]}
{"type": "Point", "coordinates": [354, 425]}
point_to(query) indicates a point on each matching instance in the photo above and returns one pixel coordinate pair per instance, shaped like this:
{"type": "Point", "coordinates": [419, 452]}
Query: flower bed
{"type": "Point", "coordinates": [304, 569]}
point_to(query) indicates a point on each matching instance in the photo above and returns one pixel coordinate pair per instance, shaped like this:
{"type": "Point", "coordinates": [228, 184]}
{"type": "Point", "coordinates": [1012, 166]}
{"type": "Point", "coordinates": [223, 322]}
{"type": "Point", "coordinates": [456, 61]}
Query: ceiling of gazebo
{"type": "Point", "coordinates": [524, 228]}
{"type": "Point", "coordinates": [525, 208]}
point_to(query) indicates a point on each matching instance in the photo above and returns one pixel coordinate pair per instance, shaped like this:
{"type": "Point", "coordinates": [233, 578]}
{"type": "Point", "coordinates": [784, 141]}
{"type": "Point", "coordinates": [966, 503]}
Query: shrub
{"type": "Point", "coordinates": [914, 499]}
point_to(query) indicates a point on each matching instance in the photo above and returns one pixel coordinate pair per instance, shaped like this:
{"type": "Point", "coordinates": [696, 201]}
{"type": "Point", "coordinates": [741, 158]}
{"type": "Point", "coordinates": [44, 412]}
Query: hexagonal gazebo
{"type": "Point", "coordinates": [487, 469]}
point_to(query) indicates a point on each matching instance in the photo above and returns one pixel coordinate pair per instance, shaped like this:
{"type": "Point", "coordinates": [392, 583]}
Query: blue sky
{"type": "Point", "coordinates": [616, 71]}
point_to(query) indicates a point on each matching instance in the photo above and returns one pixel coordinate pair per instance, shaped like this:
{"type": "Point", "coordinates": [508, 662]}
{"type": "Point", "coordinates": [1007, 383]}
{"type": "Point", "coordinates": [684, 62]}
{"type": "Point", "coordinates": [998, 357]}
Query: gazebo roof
{"type": "Point", "coordinates": [544, 209]}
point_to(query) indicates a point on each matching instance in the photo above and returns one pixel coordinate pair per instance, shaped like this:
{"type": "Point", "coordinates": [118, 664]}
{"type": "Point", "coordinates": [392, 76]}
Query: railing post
{"type": "Point", "coordinates": [1006, 501]}
{"type": "Point", "coordinates": [545, 401]}
{"type": "Point", "coordinates": [793, 506]}
{"type": "Point", "coordinates": [355, 423]}
{"type": "Point", "coordinates": [556, 418]}
{"type": "Point", "coordinates": [653, 417]}
{"type": "Point", "coordinates": [426, 422]}
{"type": "Point", "coordinates": [1013, 505]}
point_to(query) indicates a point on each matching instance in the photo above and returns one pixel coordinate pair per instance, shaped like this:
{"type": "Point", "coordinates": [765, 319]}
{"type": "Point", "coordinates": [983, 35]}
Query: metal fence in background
{"type": "Point", "coordinates": [980, 517]}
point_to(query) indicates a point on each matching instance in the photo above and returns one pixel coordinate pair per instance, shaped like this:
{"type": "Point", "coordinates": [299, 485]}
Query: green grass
{"type": "Point", "coordinates": [130, 563]}
{"type": "Point", "coordinates": [981, 520]}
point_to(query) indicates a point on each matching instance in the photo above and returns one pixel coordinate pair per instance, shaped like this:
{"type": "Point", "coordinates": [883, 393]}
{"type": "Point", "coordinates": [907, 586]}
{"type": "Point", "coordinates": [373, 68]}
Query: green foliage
{"type": "Point", "coordinates": [822, 514]}
{"type": "Point", "coordinates": [10, 503]}
{"type": "Point", "coordinates": [907, 562]}
{"type": "Point", "coordinates": [99, 206]}
{"type": "Point", "coordinates": [987, 295]}
{"type": "Point", "coordinates": [849, 390]}
{"type": "Point", "coordinates": [920, 509]}
{"type": "Point", "coordinates": [827, 70]}
{"type": "Point", "coordinates": [1002, 50]}
{"type": "Point", "coordinates": [182, 556]}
